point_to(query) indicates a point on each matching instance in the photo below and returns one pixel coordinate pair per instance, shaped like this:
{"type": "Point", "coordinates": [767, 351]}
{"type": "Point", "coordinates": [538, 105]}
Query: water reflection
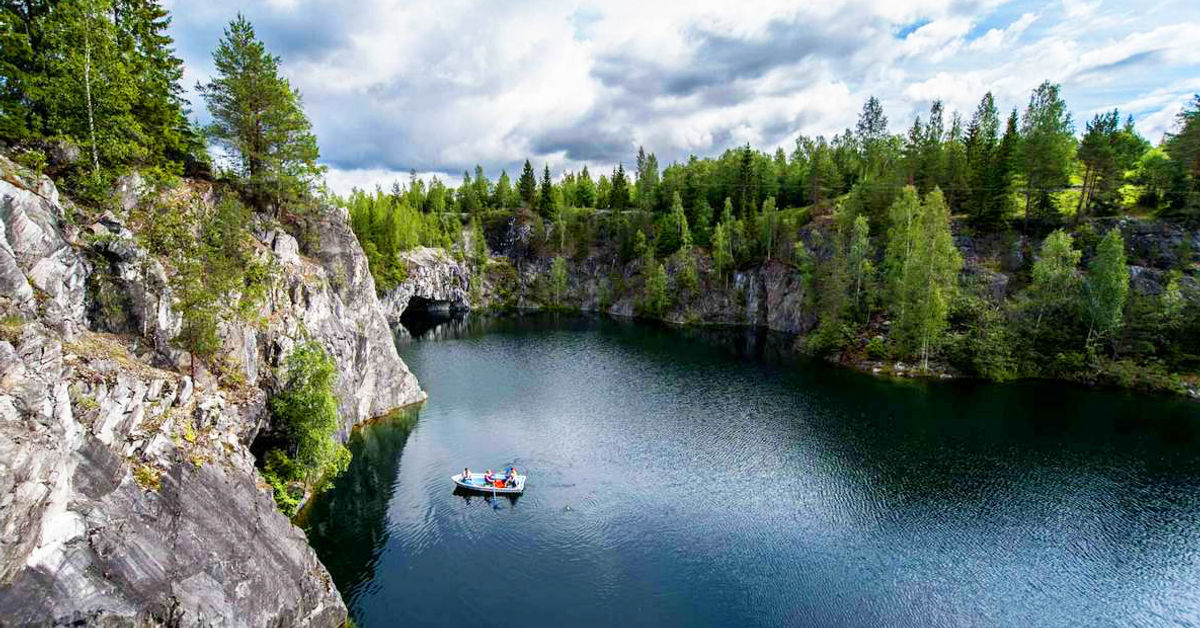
{"type": "Point", "coordinates": [347, 525]}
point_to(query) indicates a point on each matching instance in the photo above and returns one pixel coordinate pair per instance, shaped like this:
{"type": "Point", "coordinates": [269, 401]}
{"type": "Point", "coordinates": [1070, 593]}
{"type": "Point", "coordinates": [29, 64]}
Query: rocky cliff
{"type": "Point", "coordinates": [128, 495]}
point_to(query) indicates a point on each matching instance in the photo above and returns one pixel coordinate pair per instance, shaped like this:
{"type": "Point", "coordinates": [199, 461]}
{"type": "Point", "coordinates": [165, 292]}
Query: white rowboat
{"type": "Point", "coordinates": [475, 483]}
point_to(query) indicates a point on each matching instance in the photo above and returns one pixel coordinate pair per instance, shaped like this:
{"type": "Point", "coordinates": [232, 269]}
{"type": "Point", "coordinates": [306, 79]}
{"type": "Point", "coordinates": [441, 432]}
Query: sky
{"type": "Point", "coordinates": [440, 86]}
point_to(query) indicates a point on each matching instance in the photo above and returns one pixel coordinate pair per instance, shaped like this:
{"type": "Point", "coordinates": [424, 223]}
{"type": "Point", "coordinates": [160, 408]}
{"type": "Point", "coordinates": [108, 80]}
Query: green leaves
{"type": "Point", "coordinates": [1107, 285]}
{"type": "Point", "coordinates": [305, 411]}
{"type": "Point", "coordinates": [258, 117]}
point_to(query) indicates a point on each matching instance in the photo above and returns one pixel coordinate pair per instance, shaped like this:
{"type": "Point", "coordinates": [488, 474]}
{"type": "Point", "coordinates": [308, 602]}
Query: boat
{"type": "Point", "coordinates": [475, 482]}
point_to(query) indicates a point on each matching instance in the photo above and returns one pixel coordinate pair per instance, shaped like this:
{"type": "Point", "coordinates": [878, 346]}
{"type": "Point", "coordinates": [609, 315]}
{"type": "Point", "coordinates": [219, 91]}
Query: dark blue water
{"type": "Point", "coordinates": [688, 478]}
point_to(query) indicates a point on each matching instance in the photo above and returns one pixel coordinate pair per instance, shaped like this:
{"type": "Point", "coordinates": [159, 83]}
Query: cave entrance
{"type": "Point", "coordinates": [422, 315]}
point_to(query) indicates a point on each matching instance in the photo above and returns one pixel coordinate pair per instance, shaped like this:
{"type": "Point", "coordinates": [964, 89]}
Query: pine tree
{"type": "Point", "coordinates": [980, 153]}
{"type": "Point", "coordinates": [546, 201]}
{"type": "Point", "coordinates": [585, 189]}
{"type": "Point", "coordinates": [527, 186]}
{"type": "Point", "coordinates": [258, 117]}
{"type": "Point", "coordinates": [503, 192]}
{"type": "Point", "coordinates": [619, 195]}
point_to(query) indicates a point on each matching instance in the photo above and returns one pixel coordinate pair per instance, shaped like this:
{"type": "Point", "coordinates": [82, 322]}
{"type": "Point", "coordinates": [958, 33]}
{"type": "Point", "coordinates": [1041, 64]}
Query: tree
{"type": "Point", "coordinates": [558, 279]}
{"type": "Point", "coordinates": [99, 74]}
{"type": "Point", "coordinates": [306, 412]}
{"type": "Point", "coordinates": [721, 257]}
{"type": "Point", "coordinates": [1107, 151]}
{"type": "Point", "coordinates": [903, 218]}
{"type": "Point", "coordinates": [502, 194]}
{"type": "Point", "coordinates": [1047, 143]}
{"type": "Point", "coordinates": [527, 186]}
{"type": "Point", "coordinates": [1055, 276]}
{"type": "Point", "coordinates": [930, 281]}
{"type": "Point", "coordinates": [980, 148]}
{"type": "Point", "coordinates": [546, 201]}
{"type": "Point", "coordinates": [859, 258]}
{"type": "Point", "coordinates": [1183, 147]}
{"type": "Point", "coordinates": [647, 179]}
{"type": "Point", "coordinates": [257, 116]}
{"type": "Point", "coordinates": [1107, 286]}
{"type": "Point", "coordinates": [871, 133]}
{"type": "Point", "coordinates": [619, 195]}
{"type": "Point", "coordinates": [585, 189]}
{"type": "Point", "coordinates": [655, 300]}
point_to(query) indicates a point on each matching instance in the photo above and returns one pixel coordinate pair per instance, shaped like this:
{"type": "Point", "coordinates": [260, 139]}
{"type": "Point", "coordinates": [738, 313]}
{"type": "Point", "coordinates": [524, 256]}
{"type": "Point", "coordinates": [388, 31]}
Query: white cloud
{"type": "Point", "coordinates": [439, 86]}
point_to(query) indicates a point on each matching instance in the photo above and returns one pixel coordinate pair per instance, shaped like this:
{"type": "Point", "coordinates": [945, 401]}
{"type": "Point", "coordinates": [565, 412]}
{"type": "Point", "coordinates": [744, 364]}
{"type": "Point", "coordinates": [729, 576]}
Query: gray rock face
{"type": "Point", "coordinates": [128, 495]}
{"type": "Point", "coordinates": [332, 300]}
{"type": "Point", "coordinates": [125, 505]}
{"type": "Point", "coordinates": [432, 275]}
{"type": "Point", "coordinates": [34, 248]}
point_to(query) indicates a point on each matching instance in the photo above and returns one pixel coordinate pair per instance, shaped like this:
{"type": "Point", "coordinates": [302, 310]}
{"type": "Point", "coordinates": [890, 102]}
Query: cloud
{"type": "Point", "coordinates": [395, 85]}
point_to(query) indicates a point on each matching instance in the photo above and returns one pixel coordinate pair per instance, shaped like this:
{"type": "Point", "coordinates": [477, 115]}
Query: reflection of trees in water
{"type": "Point", "coordinates": [347, 525]}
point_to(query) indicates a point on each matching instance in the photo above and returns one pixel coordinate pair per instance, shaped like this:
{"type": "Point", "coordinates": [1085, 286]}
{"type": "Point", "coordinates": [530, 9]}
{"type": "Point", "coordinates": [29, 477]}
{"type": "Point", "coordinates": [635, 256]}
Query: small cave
{"type": "Point", "coordinates": [422, 315]}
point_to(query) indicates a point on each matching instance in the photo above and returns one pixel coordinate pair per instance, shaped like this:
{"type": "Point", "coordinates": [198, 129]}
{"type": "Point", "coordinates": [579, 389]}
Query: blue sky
{"type": "Point", "coordinates": [439, 86]}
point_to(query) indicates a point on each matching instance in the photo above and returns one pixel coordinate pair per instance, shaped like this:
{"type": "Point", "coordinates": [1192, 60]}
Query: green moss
{"type": "Point", "coordinates": [147, 476]}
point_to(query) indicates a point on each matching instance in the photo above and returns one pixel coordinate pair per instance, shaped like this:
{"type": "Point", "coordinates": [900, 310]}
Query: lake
{"type": "Point", "coordinates": [707, 477]}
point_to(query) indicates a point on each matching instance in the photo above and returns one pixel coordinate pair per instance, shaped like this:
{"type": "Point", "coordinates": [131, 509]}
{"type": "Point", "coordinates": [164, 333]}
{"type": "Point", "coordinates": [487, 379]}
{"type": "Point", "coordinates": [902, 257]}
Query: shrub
{"type": "Point", "coordinates": [305, 411]}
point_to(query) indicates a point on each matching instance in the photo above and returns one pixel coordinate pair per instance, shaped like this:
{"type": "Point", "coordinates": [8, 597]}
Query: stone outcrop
{"type": "Point", "coordinates": [128, 494]}
{"type": "Point", "coordinates": [432, 276]}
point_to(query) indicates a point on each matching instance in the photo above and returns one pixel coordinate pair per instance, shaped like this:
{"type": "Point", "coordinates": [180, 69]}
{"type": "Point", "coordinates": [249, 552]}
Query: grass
{"type": "Point", "coordinates": [147, 476]}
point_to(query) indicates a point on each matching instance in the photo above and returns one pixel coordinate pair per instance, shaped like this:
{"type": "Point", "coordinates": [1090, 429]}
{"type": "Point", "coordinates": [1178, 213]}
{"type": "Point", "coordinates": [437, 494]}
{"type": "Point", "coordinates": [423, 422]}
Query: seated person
{"type": "Point", "coordinates": [466, 474]}
{"type": "Point", "coordinates": [488, 477]}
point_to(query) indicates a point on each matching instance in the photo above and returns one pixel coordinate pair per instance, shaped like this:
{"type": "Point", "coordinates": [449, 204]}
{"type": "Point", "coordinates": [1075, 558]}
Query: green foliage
{"type": "Point", "coordinates": [97, 74]}
{"type": "Point", "coordinates": [926, 279]}
{"type": "Point", "coordinates": [1047, 147]}
{"type": "Point", "coordinates": [655, 298]}
{"type": "Point", "coordinates": [1107, 285]}
{"type": "Point", "coordinates": [558, 280]}
{"type": "Point", "coordinates": [306, 414]}
{"type": "Point", "coordinates": [258, 117]}
{"type": "Point", "coordinates": [386, 226]}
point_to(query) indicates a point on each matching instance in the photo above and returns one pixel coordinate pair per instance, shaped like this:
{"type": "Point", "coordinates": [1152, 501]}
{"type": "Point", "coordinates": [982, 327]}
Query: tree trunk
{"type": "Point", "coordinates": [1088, 183]}
{"type": "Point", "coordinates": [87, 88]}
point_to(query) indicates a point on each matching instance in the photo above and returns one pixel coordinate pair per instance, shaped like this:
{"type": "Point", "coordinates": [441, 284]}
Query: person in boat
{"type": "Point", "coordinates": [466, 476]}
{"type": "Point", "coordinates": [510, 479]}
{"type": "Point", "coordinates": [488, 477]}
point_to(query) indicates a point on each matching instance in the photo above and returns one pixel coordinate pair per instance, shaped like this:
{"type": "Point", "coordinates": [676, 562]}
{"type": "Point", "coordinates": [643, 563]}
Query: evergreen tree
{"type": "Point", "coordinates": [546, 201]}
{"type": "Point", "coordinates": [955, 177]}
{"type": "Point", "coordinates": [980, 149]}
{"type": "Point", "coordinates": [1183, 147]}
{"type": "Point", "coordinates": [619, 195]}
{"type": "Point", "coordinates": [585, 189]}
{"type": "Point", "coordinates": [871, 134]}
{"type": "Point", "coordinates": [258, 117]}
{"type": "Point", "coordinates": [527, 186]}
{"type": "Point", "coordinates": [502, 194]}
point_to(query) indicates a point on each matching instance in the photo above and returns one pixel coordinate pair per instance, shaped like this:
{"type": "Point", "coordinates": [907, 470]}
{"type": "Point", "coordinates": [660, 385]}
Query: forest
{"type": "Point", "coordinates": [870, 219]}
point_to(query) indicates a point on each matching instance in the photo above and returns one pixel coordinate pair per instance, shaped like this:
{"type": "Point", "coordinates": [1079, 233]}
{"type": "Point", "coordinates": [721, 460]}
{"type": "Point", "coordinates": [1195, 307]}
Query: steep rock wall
{"type": "Point", "coordinates": [128, 495]}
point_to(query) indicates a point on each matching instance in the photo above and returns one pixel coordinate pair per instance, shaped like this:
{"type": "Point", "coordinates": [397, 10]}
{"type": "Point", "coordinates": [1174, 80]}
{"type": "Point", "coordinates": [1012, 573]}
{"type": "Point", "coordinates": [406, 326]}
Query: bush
{"type": "Point", "coordinates": [306, 414]}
